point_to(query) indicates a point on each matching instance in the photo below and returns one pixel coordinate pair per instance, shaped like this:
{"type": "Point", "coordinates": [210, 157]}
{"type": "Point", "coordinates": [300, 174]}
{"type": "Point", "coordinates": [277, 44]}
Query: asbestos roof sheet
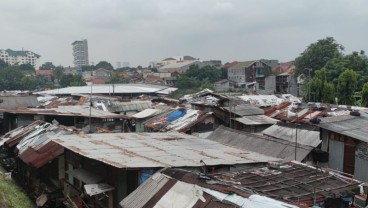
{"type": "Point", "coordinates": [171, 149]}
{"type": "Point", "coordinates": [245, 110]}
{"type": "Point", "coordinates": [305, 137]}
{"type": "Point", "coordinates": [79, 111]}
{"type": "Point", "coordinates": [146, 113]}
{"type": "Point", "coordinates": [107, 89]}
{"type": "Point", "coordinates": [258, 143]}
{"type": "Point", "coordinates": [351, 126]}
{"type": "Point", "coordinates": [256, 120]}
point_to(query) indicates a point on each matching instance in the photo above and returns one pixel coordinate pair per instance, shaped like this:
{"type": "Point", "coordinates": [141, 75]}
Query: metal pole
{"type": "Point", "coordinates": [90, 104]}
{"type": "Point", "coordinates": [309, 85]}
{"type": "Point", "coordinates": [296, 136]}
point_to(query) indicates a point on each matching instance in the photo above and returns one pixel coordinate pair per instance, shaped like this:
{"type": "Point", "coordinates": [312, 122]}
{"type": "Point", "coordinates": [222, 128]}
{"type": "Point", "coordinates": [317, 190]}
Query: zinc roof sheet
{"type": "Point", "coordinates": [258, 143]}
{"type": "Point", "coordinates": [65, 111]}
{"type": "Point", "coordinates": [245, 110]}
{"type": "Point", "coordinates": [256, 120]}
{"type": "Point", "coordinates": [305, 137]}
{"type": "Point", "coordinates": [351, 126]}
{"type": "Point", "coordinates": [146, 113]}
{"type": "Point", "coordinates": [170, 149]}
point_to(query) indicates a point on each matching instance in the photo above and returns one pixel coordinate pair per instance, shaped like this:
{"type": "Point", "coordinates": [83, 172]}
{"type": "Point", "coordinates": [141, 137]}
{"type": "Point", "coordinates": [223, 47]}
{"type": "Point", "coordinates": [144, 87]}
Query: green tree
{"type": "Point", "coordinates": [186, 82]}
{"type": "Point", "coordinates": [10, 78]}
{"type": "Point", "coordinates": [317, 55]}
{"type": "Point", "coordinates": [28, 68]}
{"type": "Point", "coordinates": [71, 80]}
{"type": "Point", "coordinates": [3, 65]}
{"type": "Point", "coordinates": [208, 72]}
{"type": "Point", "coordinates": [364, 101]}
{"type": "Point", "coordinates": [47, 66]}
{"type": "Point", "coordinates": [30, 83]}
{"type": "Point", "coordinates": [104, 65]}
{"type": "Point", "coordinates": [346, 87]}
{"type": "Point", "coordinates": [318, 89]}
{"type": "Point", "coordinates": [116, 79]}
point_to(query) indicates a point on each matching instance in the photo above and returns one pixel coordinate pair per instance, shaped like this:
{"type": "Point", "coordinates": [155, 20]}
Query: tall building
{"type": "Point", "coordinates": [20, 57]}
{"type": "Point", "coordinates": [80, 53]}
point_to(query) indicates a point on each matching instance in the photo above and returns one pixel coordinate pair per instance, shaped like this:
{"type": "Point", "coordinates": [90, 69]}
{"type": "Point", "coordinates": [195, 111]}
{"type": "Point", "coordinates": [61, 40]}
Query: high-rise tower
{"type": "Point", "coordinates": [80, 53]}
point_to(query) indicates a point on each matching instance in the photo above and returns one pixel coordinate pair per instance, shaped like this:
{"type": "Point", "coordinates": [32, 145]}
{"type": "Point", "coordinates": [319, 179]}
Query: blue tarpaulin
{"type": "Point", "coordinates": [176, 115]}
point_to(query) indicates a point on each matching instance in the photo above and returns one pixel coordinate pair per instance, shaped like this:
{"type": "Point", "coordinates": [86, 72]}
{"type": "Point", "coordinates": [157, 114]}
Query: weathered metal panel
{"type": "Point", "coordinates": [336, 155]}
{"type": "Point", "coordinates": [361, 169]}
{"type": "Point", "coordinates": [145, 192]}
{"type": "Point", "coordinates": [171, 149]}
{"type": "Point", "coordinates": [305, 137]}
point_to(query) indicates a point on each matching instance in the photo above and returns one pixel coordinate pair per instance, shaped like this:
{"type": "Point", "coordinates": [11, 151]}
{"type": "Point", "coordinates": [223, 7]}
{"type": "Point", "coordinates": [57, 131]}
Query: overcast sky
{"type": "Point", "coordinates": [140, 31]}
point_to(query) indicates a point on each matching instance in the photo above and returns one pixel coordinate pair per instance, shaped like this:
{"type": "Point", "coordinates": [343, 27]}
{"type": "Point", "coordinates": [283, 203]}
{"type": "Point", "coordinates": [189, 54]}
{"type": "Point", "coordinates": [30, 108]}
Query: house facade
{"type": "Point", "coordinates": [248, 73]}
{"type": "Point", "coordinates": [344, 138]}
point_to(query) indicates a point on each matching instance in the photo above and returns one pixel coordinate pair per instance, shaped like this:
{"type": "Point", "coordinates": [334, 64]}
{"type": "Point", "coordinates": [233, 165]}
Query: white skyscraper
{"type": "Point", "coordinates": [80, 53]}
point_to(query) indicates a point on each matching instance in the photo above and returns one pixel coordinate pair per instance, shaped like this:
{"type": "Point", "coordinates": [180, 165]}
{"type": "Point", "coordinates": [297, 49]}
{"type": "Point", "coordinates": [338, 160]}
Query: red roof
{"type": "Point", "coordinates": [98, 81]}
{"type": "Point", "coordinates": [228, 65]}
{"type": "Point", "coordinates": [44, 72]}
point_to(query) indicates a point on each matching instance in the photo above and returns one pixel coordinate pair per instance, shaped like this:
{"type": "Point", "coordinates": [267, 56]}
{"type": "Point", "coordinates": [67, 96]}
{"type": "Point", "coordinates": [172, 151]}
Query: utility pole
{"type": "Point", "coordinates": [309, 69]}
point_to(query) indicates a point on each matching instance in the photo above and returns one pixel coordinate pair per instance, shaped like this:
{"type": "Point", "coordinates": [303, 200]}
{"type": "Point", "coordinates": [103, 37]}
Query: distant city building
{"type": "Point", "coordinates": [80, 53]}
{"type": "Point", "coordinates": [118, 65]}
{"type": "Point", "coordinates": [126, 64]}
{"type": "Point", "coordinates": [20, 57]}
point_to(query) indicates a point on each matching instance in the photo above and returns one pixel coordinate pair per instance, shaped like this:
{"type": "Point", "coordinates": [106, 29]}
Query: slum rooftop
{"type": "Point", "coordinates": [351, 126]}
{"type": "Point", "coordinates": [171, 149]}
{"type": "Point", "coordinates": [112, 89]}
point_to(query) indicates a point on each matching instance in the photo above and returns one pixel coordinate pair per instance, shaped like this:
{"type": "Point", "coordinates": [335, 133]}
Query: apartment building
{"type": "Point", "coordinates": [20, 57]}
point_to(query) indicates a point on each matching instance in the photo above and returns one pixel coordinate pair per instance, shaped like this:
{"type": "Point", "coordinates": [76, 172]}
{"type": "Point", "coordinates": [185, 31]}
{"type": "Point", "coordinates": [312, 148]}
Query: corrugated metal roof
{"type": "Point", "coordinates": [259, 143]}
{"type": "Point", "coordinates": [245, 110]}
{"type": "Point", "coordinates": [129, 106]}
{"type": "Point", "coordinates": [351, 126]}
{"type": "Point", "coordinates": [75, 110]}
{"type": "Point", "coordinates": [107, 89]}
{"type": "Point", "coordinates": [18, 101]}
{"type": "Point", "coordinates": [146, 113]}
{"type": "Point", "coordinates": [184, 189]}
{"type": "Point", "coordinates": [170, 149]}
{"type": "Point", "coordinates": [256, 120]}
{"type": "Point", "coordinates": [140, 196]}
{"type": "Point", "coordinates": [305, 137]}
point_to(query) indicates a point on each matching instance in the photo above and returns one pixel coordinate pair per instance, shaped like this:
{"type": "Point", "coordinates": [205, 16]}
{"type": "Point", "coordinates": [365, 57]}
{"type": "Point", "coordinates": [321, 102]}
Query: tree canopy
{"type": "Point", "coordinates": [116, 79]}
{"type": "Point", "coordinates": [317, 55]}
{"type": "Point", "coordinates": [346, 87]}
{"type": "Point", "coordinates": [47, 66]}
{"type": "Point", "coordinates": [104, 65]}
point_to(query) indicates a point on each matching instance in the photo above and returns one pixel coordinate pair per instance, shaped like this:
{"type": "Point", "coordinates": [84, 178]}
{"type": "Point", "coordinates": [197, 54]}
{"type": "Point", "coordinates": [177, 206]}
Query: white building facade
{"type": "Point", "coordinates": [20, 57]}
{"type": "Point", "coordinates": [80, 53]}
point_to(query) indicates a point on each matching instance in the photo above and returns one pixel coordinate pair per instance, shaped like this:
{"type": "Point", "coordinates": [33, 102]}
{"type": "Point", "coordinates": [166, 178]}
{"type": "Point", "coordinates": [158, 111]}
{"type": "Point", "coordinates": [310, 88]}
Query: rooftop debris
{"type": "Point", "coordinates": [294, 182]}
{"type": "Point", "coordinates": [194, 190]}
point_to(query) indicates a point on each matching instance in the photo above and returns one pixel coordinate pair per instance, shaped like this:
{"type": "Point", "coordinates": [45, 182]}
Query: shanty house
{"type": "Point", "coordinates": [121, 162]}
{"type": "Point", "coordinates": [287, 185]}
{"type": "Point", "coordinates": [345, 139]}
{"type": "Point", "coordinates": [77, 116]}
